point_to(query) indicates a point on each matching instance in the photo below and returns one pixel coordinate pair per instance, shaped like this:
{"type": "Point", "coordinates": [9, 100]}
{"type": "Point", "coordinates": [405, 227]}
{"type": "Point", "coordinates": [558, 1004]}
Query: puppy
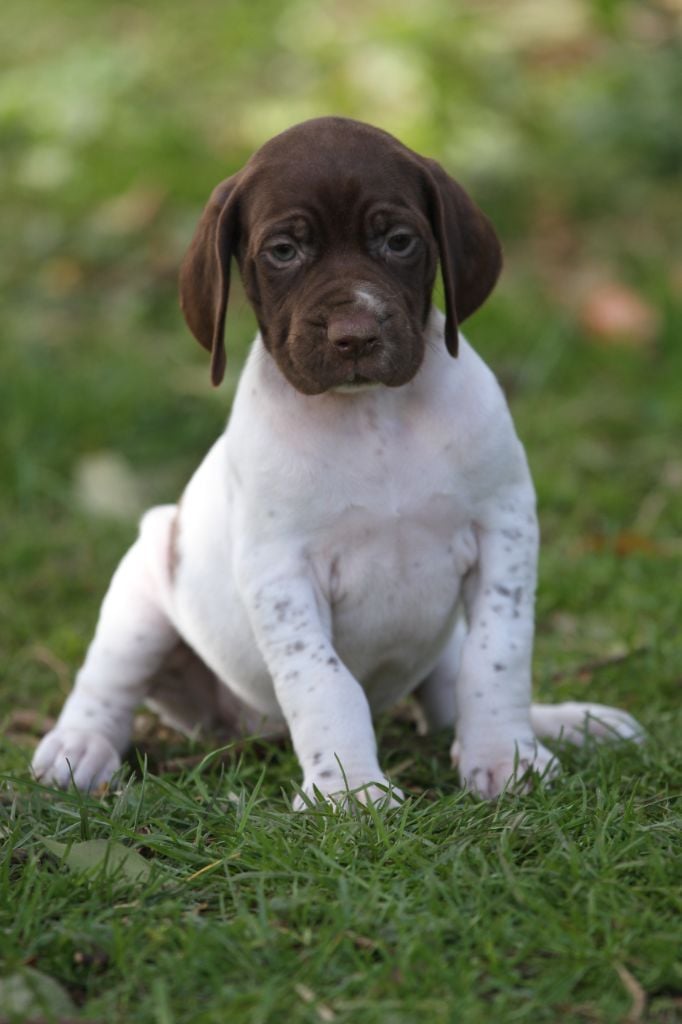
{"type": "Point", "coordinates": [365, 528]}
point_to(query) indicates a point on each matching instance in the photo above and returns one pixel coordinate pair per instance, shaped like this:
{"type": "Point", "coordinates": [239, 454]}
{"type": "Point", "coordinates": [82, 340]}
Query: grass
{"type": "Point", "coordinates": [560, 906]}
{"type": "Point", "coordinates": [563, 905]}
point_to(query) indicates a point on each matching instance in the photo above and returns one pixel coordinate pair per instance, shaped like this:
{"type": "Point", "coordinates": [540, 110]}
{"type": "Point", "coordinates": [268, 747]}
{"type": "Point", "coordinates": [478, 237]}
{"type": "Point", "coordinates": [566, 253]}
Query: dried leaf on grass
{"type": "Point", "coordinates": [130, 211]}
{"type": "Point", "coordinates": [627, 542]}
{"type": "Point", "coordinates": [94, 854]}
{"type": "Point", "coordinates": [635, 991]}
{"type": "Point", "coordinates": [306, 994]}
{"type": "Point", "coordinates": [106, 486]}
{"type": "Point", "coordinates": [615, 314]}
{"type": "Point", "coordinates": [587, 670]}
{"type": "Point", "coordinates": [26, 720]}
{"type": "Point", "coordinates": [29, 994]}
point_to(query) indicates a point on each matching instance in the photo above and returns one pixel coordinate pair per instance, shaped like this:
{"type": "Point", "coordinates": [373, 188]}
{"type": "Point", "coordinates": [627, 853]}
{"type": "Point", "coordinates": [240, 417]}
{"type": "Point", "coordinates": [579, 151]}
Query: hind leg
{"type": "Point", "coordinates": [189, 697]}
{"type": "Point", "coordinates": [576, 722]}
{"type": "Point", "coordinates": [436, 695]}
{"type": "Point", "coordinates": [573, 721]}
{"type": "Point", "coordinates": [133, 636]}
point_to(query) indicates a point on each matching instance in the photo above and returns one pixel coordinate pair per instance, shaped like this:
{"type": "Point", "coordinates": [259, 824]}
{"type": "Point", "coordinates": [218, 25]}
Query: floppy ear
{"type": "Point", "coordinates": [470, 253]}
{"type": "Point", "coordinates": [205, 273]}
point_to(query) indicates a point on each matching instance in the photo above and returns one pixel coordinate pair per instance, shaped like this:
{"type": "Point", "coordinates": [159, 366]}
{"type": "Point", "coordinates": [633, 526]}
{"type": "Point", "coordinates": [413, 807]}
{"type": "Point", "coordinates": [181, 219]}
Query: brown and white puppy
{"type": "Point", "coordinates": [365, 527]}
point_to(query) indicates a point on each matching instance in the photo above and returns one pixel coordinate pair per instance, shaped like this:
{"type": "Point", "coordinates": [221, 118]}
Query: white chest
{"type": "Point", "coordinates": [374, 497]}
{"type": "Point", "coordinates": [390, 564]}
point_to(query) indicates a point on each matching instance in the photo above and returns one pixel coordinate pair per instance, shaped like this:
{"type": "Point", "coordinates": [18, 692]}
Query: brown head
{"type": "Point", "coordinates": [337, 229]}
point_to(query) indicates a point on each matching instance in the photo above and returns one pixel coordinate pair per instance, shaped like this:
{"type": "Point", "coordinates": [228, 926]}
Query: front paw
{"type": "Point", "coordinates": [343, 791]}
{"type": "Point", "coordinates": [64, 754]}
{"type": "Point", "coordinates": [514, 766]}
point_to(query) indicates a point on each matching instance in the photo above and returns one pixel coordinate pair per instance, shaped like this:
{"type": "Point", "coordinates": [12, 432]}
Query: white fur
{"type": "Point", "coordinates": [337, 552]}
{"type": "Point", "coordinates": [365, 297]}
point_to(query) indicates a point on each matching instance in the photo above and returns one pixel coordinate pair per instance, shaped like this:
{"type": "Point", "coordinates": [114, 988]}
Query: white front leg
{"type": "Point", "coordinates": [496, 744]}
{"type": "Point", "coordinates": [324, 705]}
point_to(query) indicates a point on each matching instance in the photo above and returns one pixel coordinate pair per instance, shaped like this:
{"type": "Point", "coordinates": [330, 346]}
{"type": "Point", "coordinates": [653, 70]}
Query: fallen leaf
{"type": "Point", "coordinates": [134, 210]}
{"type": "Point", "coordinates": [615, 314]}
{"type": "Point", "coordinates": [62, 276]}
{"type": "Point", "coordinates": [28, 720]}
{"type": "Point", "coordinates": [113, 858]}
{"type": "Point", "coordinates": [362, 941]}
{"type": "Point", "coordinates": [106, 486]}
{"type": "Point", "coordinates": [28, 993]}
{"type": "Point", "coordinates": [635, 991]}
{"type": "Point", "coordinates": [630, 543]}
{"type": "Point", "coordinates": [305, 993]}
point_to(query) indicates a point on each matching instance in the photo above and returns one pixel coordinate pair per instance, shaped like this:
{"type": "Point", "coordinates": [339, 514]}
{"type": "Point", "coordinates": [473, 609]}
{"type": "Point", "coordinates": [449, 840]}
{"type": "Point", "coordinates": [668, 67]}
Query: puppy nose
{"type": "Point", "coordinates": [353, 334]}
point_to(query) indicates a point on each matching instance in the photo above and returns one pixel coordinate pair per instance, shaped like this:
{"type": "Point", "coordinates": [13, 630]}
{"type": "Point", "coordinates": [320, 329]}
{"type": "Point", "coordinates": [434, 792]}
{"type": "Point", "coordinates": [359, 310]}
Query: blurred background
{"type": "Point", "coordinates": [563, 121]}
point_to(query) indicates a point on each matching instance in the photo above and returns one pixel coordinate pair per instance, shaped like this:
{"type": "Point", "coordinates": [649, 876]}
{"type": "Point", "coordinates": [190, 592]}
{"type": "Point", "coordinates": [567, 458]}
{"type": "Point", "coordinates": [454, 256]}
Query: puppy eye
{"type": "Point", "coordinates": [400, 242]}
{"type": "Point", "coordinates": [283, 252]}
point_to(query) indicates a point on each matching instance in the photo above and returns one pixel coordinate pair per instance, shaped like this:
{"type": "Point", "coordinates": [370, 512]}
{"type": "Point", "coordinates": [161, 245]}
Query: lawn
{"type": "Point", "coordinates": [564, 905]}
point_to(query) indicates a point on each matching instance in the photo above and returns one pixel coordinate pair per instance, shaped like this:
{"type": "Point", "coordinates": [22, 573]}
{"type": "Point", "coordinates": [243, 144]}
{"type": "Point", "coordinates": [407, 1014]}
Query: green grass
{"type": "Point", "coordinates": [444, 910]}
{"type": "Point", "coordinates": [563, 905]}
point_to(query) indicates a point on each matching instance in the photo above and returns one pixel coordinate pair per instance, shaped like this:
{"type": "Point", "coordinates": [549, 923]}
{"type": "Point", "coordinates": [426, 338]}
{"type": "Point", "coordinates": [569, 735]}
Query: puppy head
{"type": "Point", "coordinates": [337, 229]}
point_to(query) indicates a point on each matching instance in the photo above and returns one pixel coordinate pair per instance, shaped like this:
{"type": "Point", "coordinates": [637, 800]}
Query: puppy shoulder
{"type": "Point", "coordinates": [480, 423]}
{"type": "Point", "coordinates": [467, 379]}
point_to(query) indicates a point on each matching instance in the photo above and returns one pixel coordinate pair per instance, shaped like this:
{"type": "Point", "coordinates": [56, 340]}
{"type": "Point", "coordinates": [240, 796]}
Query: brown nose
{"type": "Point", "coordinates": [353, 334]}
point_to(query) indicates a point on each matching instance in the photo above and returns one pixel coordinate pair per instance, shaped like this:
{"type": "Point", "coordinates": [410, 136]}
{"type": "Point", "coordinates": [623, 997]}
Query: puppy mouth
{"type": "Point", "coordinates": [357, 382]}
{"type": "Point", "coordinates": [360, 380]}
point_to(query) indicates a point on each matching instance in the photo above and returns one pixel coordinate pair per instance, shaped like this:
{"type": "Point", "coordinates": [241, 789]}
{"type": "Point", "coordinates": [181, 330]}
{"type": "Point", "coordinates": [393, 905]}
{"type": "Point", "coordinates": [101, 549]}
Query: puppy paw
{"type": "Point", "coordinates": [513, 767]}
{"type": "Point", "coordinates": [344, 793]}
{"type": "Point", "coordinates": [88, 758]}
{"type": "Point", "coordinates": [577, 722]}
